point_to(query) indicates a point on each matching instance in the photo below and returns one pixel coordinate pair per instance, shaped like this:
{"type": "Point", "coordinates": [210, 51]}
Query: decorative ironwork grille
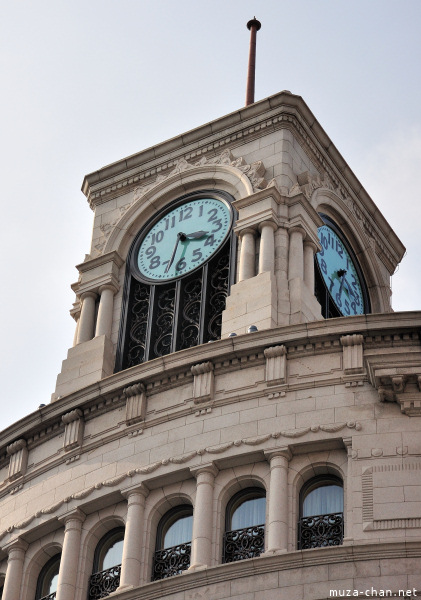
{"type": "Point", "coordinates": [103, 583]}
{"type": "Point", "coordinates": [49, 597]}
{"type": "Point", "coordinates": [171, 561]}
{"type": "Point", "coordinates": [244, 543]}
{"type": "Point", "coordinates": [321, 530]}
{"type": "Point", "coordinates": [160, 319]}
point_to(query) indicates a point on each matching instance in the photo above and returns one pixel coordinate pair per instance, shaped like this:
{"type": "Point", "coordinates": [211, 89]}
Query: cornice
{"type": "Point", "coordinates": [318, 337]}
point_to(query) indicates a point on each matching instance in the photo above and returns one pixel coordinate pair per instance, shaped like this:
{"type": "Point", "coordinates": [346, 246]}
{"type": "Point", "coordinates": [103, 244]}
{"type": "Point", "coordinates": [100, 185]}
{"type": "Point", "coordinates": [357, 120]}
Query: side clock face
{"type": "Point", "coordinates": [340, 273]}
{"type": "Point", "coordinates": [183, 239]}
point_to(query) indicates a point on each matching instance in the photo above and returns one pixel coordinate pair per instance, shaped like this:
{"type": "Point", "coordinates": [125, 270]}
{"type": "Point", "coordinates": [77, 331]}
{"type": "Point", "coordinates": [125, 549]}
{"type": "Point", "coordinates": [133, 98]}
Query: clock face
{"type": "Point", "coordinates": [183, 239]}
{"type": "Point", "coordinates": [340, 273]}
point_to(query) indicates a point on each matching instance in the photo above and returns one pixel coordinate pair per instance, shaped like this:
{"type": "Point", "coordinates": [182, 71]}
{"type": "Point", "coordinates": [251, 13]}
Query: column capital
{"type": "Point", "coordinates": [271, 224]}
{"type": "Point", "coordinates": [85, 295]}
{"type": "Point", "coordinates": [17, 544]}
{"type": "Point", "coordinates": [297, 229]}
{"type": "Point", "coordinates": [108, 286]}
{"type": "Point", "coordinates": [312, 245]}
{"type": "Point", "coordinates": [138, 490]}
{"type": "Point", "coordinates": [246, 230]}
{"type": "Point", "coordinates": [73, 515]}
{"type": "Point", "coordinates": [202, 469]}
{"type": "Point", "coordinates": [284, 452]}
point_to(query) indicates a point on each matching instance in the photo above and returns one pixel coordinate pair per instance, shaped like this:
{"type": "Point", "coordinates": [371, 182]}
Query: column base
{"type": "Point", "coordinates": [273, 552]}
{"type": "Point", "coordinates": [197, 567]}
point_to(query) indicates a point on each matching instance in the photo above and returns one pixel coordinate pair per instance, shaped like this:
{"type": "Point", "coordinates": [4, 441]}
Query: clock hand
{"type": "Point", "coordinates": [179, 237]}
{"type": "Point", "coordinates": [341, 274]}
{"type": "Point", "coordinates": [196, 235]}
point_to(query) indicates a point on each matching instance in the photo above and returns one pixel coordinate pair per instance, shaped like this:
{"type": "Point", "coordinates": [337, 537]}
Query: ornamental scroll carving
{"type": "Point", "coordinates": [352, 354]}
{"type": "Point", "coordinates": [74, 427]}
{"type": "Point", "coordinates": [18, 453]}
{"type": "Point", "coordinates": [135, 403]}
{"type": "Point", "coordinates": [203, 382]}
{"type": "Point", "coordinates": [276, 365]}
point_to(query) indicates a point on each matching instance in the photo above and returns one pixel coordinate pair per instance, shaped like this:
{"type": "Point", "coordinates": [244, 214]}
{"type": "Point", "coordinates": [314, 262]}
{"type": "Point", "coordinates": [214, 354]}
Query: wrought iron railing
{"type": "Point", "coordinates": [321, 530]}
{"type": "Point", "coordinates": [49, 597]}
{"type": "Point", "coordinates": [103, 583]}
{"type": "Point", "coordinates": [171, 561]}
{"type": "Point", "coordinates": [244, 543]}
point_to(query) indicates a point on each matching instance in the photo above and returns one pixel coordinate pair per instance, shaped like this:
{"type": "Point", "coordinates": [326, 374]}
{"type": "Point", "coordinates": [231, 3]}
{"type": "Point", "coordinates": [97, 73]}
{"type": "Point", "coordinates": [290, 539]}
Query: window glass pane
{"type": "Point", "coordinates": [53, 585]}
{"type": "Point", "coordinates": [178, 532]}
{"type": "Point", "coordinates": [112, 556]}
{"type": "Point", "coordinates": [323, 500]}
{"type": "Point", "coordinates": [250, 512]}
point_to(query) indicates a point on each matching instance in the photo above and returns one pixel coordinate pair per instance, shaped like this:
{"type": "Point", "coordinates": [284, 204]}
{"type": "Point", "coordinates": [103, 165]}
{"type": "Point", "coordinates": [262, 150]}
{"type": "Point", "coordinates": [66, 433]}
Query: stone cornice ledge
{"type": "Point", "coordinates": [239, 346]}
{"type": "Point", "coordinates": [268, 564]}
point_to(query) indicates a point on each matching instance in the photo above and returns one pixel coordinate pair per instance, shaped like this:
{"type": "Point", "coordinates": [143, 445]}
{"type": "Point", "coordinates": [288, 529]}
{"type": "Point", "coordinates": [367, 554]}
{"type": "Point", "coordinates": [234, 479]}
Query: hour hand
{"type": "Point", "coordinates": [196, 235]}
{"type": "Point", "coordinates": [170, 262]}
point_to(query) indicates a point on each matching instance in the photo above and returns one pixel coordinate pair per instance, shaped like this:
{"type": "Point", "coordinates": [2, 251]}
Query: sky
{"type": "Point", "coordinates": [88, 82]}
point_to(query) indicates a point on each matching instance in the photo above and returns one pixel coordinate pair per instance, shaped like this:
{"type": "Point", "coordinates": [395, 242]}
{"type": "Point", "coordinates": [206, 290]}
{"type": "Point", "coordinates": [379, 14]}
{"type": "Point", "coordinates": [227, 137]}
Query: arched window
{"type": "Point", "coordinates": [173, 542]}
{"type": "Point", "coordinates": [321, 513]}
{"type": "Point", "coordinates": [48, 578]}
{"type": "Point", "coordinates": [107, 564]}
{"type": "Point", "coordinates": [178, 275]}
{"type": "Point", "coordinates": [245, 525]}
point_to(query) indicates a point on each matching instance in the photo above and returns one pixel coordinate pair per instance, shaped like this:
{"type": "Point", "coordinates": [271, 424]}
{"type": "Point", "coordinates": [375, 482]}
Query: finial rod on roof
{"type": "Point", "coordinates": [254, 25]}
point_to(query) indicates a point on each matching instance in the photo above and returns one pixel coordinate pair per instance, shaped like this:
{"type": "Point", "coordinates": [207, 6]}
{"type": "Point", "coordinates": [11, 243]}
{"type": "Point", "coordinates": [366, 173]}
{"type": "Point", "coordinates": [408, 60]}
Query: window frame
{"type": "Point", "coordinates": [47, 571]}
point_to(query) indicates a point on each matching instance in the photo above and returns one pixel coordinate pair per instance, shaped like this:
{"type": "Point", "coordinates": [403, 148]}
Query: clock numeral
{"type": "Point", "coordinates": [354, 307]}
{"type": "Point", "coordinates": [338, 300]}
{"type": "Point", "coordinates": [201, 210]}
{"type": "Point", "coordinates": [197, 255]}
{"type": "Point", "coordinates": [332, 283]}
{"type": "Point", "coordinates": [157, 237]}
{"type": "Point", "coordinates": [185, 213]}
{"type": "Point", "coordinates": [323, 266]}
{"type": "Point", "coordinates": [155, 262]}
{"type": "Point", "coordinates": [354, 282]}
{"type": "Point", "coordinates": [180, 265]}
{"type": "Point", "coordinates": [217, 222]}
{"type": "Point", "coordinates": [212, 212]}
{"type": "Point", "coordinates": [347, 310]}
{"type": "Point", "coordinates": [209, 241]}
{"type": "Point", "coordinates": [339, 249]}
{"type": "Point", "coordinates": [150, 251]}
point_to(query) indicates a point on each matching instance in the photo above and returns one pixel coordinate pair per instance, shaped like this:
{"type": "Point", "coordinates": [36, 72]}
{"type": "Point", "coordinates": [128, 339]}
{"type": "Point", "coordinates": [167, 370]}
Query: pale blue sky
{"type": "Point", "coordinates": [85, 83]}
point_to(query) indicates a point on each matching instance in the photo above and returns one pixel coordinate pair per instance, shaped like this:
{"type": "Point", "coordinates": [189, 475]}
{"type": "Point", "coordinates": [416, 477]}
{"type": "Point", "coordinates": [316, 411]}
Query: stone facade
{"type": "Point", "coordinates": [300, 399]}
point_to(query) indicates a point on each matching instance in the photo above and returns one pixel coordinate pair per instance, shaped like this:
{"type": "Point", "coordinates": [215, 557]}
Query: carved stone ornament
{"type": "Point", "coordinates": [18, 453]}
{"type": "Point", "coordinates": [307, 183]}
{"type": "Point", "coordinates": [135, 403]}
{"type": "Point", "coordinates": [352, 354]}
{"type": "Point", "coordinates": [73, 433]}
{"type": "Point", "coordinates": [203, 382]}
{"type": "Point", "coordinates": [405, 389]}
{"type": "Point", "coordinates": [276, 365]}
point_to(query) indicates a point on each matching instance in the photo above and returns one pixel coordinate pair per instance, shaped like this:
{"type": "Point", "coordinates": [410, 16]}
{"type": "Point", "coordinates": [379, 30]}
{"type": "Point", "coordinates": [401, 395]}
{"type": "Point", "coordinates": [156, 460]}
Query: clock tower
{"type": "Point", "coordinates": [251, 220]}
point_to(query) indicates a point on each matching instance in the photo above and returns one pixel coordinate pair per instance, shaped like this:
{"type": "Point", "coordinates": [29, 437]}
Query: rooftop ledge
{"type": "Point", "coordinates": [225, 349]}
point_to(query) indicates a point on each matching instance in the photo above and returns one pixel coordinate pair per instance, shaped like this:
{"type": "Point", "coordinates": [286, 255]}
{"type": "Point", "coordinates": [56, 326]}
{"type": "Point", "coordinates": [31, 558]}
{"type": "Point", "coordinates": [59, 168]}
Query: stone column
{"type": "Point", "coordinates": [16, 556]}
{"type": "Point", "coordinates": [267, 246]}
{"type": "Point", "coordinates": [105, 312]}
{"type": "Point", "coordinates": [310, 249]}
{"type": "Point", "coordinates": [132, 547]}
{"type": "Point", "coordinates": [201, 547]}
{"type": "Point", "coordinates": [87, 318]}
{"type": "Point", "coordinates": [278, 517]}
{"type": "Point", "coordinates": [247, 254]}
{"type": "Point", "coordinates": [296, 253]}
{"type": "Point", "coordinates": [66, 585]}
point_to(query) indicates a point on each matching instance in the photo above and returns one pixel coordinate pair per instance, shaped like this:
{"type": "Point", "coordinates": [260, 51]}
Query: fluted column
{"type": "Point", "coordinates": [87, 318]}
{"type": "Point", "coordinates": [296, 253]}
{"type": "Point", "coordinates": [16, 556]}
{"type": "Point", "coordinates": [132, 547]}
{"type": "Point", "coordinates": [201, 548]}
{"type": "Point", "coordinates": [310, 249]}
{"type": "Point", "coordinates": [267, 246]}
{"type": "Point", "coordinates": [105, 312]}
{"type": "Point", "coordinates": [66, 585]}
{"type": "Point", "coordinates": [247, 254]}
{"type": "Point", "coordinates": [277, 527]}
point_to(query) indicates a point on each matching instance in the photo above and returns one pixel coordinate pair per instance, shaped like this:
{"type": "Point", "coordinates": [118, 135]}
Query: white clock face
{"type": "Point", "coordinates": [340, 273]}
{"type": "Point", "coordinates": [184, 238]}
